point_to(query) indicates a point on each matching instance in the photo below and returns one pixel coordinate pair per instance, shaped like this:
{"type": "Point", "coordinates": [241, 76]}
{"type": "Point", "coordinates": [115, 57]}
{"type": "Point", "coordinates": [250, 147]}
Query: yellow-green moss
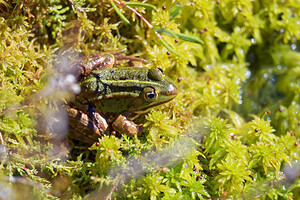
{"type": "Point", "coordinates": [237, 65]}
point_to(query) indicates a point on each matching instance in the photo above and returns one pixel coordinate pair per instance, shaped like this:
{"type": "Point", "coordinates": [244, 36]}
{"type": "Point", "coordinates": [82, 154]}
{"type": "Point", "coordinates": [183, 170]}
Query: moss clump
{"type": "Point", "coordinates": [230, 133]}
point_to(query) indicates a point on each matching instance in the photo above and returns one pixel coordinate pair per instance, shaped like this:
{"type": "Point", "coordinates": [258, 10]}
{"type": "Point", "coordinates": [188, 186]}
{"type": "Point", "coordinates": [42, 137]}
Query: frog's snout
{"type": "Point", "coordinates": [172, 91]}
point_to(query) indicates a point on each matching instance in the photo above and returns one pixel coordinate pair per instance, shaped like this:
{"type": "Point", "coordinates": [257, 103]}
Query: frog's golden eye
{"type": "Point", "coordinates": [155, 74]}
{"type": "Point", "coordinates": [150, 94]}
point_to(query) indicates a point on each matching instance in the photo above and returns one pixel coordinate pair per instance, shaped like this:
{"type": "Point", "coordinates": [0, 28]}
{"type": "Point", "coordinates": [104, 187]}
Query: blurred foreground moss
{"type": "Point", "coordinates": [231, 133]}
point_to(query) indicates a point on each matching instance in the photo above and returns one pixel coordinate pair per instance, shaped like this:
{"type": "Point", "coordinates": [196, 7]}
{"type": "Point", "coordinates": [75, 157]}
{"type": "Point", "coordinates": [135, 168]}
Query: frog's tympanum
{"type": "Point", "coordinates": [112, 97]}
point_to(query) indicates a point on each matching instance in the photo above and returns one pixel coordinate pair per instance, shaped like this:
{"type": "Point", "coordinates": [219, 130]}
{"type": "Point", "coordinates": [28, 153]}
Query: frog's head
{"type": "Point", "coordinates": [160, 89]}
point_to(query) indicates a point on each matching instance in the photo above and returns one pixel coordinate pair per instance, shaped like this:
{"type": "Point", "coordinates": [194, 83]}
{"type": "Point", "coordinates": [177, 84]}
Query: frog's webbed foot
{"type": "Point", "coordinates": [125, 126]}
{"type": "Point", "coordinates": [86, 127]}
{"type": "Point", "coordinates": [131, 59]}
{"type": "Point", "coordinates": [121, 58]}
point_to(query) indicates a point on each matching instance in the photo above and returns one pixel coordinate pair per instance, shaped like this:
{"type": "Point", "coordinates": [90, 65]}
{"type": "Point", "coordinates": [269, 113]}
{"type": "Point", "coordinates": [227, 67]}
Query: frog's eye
{"type": "Point", "coordinates": [150, 94]}
{"type": "Point", "coordinates": [155, 74]}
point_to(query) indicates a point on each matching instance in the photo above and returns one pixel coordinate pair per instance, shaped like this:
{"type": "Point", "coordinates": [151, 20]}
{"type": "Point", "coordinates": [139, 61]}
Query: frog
{"type": "Point", "coordinates": [112, 97]}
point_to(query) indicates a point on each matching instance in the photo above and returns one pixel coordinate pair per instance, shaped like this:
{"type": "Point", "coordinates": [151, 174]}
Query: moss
{"type": "Point", "coordinates": [229, 133]}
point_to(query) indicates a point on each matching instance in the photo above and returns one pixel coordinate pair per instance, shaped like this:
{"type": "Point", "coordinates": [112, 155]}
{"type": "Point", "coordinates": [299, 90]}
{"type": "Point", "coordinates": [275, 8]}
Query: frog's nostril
{"type": "Point", "coordinates": [172, 90]}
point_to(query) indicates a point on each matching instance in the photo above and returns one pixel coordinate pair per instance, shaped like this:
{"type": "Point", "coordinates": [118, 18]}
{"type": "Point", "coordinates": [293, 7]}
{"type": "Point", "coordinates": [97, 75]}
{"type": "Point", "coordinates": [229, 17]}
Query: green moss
{"type": "Point", "coordinates": [237, 66]}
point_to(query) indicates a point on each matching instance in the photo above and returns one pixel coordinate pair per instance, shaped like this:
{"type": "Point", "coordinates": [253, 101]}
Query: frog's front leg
{"type": "Point", "coordinates": [86, 127]}
{"type": "Point", "coordinates": [125, 126]}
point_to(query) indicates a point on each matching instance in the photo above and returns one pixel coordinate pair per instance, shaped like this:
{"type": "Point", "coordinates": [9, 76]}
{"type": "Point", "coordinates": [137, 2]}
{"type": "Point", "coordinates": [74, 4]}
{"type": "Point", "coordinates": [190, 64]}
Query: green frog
{"type": "Point", "coordinates": [111, 97]}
